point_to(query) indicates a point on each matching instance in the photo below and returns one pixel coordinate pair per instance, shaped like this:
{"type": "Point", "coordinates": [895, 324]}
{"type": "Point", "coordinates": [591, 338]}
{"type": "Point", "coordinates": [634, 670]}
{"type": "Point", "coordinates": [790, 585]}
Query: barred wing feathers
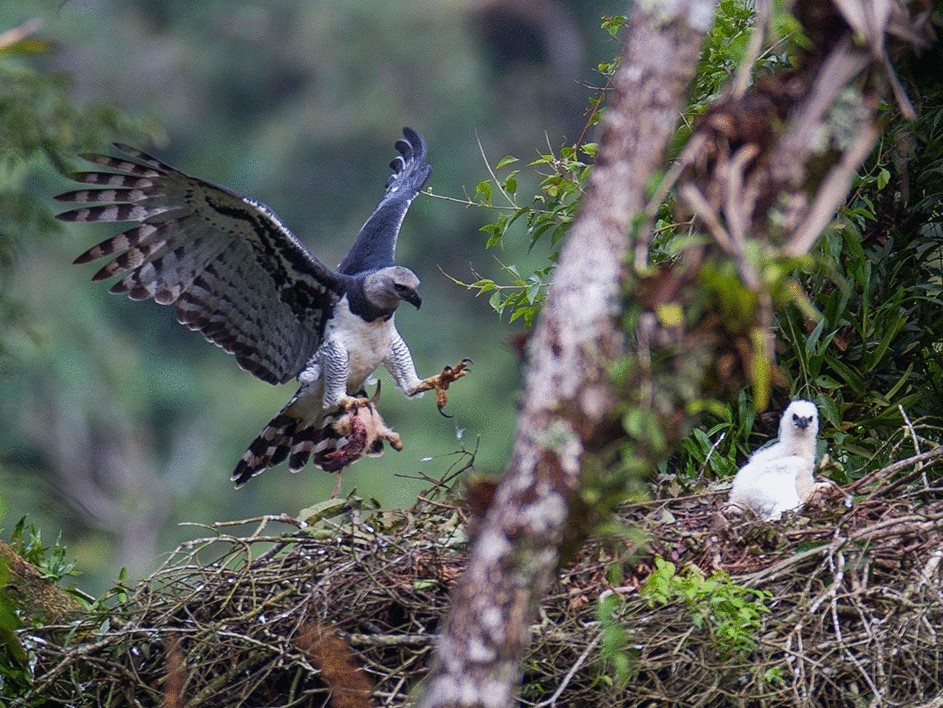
{"type": "Point", "coordinates": [235, 272]}
{"type": "Point", "coordinates": [375, 245]}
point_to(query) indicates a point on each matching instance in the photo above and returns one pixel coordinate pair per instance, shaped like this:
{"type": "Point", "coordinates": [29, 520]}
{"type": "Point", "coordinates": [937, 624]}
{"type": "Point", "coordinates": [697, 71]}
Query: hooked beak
{"type": "Point", "coordinates": [803, 423]}
{"type": "Point", "coordinates": [413, 298]}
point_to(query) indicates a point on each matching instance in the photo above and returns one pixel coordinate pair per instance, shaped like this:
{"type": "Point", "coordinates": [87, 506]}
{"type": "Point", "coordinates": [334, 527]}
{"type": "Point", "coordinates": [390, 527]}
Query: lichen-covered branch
{"type": "Point", "coordinates": [568, 395]}
{"type": "Point", "coordinates": [38, 598]}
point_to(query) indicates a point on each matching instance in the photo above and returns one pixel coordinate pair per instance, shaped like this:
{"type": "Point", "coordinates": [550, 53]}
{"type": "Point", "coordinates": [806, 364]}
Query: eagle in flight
{"type": "Point", "coordinates": [239, 276]}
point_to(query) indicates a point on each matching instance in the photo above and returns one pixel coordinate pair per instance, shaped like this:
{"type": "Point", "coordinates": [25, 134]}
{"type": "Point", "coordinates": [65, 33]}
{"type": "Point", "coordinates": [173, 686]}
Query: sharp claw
{"type": "Point", "coordinates": [441, 382]}
{"type": "Point", "coordinates": [466, 361]}
{"type": "Point", "coordinates": [351, 403]}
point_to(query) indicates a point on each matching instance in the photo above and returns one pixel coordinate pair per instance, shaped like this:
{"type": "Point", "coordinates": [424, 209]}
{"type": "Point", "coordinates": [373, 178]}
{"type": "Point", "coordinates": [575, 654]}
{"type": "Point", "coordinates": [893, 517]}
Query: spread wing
{"type": "Point", "coordinates": [376, 243]}
{"type": "Point", "coordinates": [236, 273]}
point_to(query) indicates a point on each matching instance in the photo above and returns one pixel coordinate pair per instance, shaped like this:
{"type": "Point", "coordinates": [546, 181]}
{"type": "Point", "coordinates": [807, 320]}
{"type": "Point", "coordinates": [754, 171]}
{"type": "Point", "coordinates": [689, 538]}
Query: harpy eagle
{"type": "Point", "coordinates": [239, 276]}
{"type": "Point", "coordinates": [778, 478]}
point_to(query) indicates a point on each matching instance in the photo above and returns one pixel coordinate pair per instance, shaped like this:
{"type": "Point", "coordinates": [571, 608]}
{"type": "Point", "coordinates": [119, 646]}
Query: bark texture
{"type": "Point", "coordinates": [568, 396]}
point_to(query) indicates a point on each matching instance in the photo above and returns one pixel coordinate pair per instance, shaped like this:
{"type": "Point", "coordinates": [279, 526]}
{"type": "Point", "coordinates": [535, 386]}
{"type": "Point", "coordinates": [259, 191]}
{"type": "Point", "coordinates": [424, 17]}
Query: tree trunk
{"type": "Point", "coordinates": [568, 396]}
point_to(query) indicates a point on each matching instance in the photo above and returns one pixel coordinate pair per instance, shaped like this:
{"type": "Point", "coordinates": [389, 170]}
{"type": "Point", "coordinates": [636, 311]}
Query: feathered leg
{"type": "Point", "coordinates": [399, 362]}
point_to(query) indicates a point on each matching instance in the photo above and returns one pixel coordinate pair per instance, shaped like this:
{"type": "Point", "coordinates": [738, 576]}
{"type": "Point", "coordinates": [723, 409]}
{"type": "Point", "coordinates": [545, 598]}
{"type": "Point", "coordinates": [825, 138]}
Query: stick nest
{"type": "Point", "coordinates": [344, 611]}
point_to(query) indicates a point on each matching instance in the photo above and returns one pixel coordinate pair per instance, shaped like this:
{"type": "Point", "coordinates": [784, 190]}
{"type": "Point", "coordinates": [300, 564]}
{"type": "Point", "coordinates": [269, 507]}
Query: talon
{"type": "Point", "coordinates": [376, 395]}
{"type": "Point", "coordinates": [440, 400]}
{"type": "Point", "coordinates": [352, 403]}
{"type": "Point", "coordinates": [453, 373]}
{"type": "Point", "coordinates": [441, 383]}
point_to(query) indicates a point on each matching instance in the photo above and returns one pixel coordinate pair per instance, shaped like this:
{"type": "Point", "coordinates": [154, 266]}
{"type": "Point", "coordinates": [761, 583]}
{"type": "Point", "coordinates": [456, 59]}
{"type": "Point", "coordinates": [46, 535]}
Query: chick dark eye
{"type": "Point", "coordinates": [400, 289]}
{"type": "Point", "coordinates": [795, 418]}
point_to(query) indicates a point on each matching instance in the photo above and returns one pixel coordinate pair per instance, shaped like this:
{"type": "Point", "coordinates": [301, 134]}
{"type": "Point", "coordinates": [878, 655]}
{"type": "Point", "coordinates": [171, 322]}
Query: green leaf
{"type": "Point", "coordinates": [322, 510]}
{"type": "Point", "coordinates": [32, 45]}
{"type": "Point", "coordinates": [495, 302]}
{"type": "Point", "coordinates": [505, 161]}
{"type": "Point", "coordinates": [483, 192]}
{"type": "Point", "coordinates": [484, 285]}
{"type": "Point", "coordinates": [829, 410]}
{"type": "Point", "coordinates": [884, 176]}
{"type": "Point", "coordinates": [827, 382]}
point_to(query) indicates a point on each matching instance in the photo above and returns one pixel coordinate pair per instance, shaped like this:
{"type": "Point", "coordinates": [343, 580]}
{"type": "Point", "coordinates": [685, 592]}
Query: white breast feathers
{"type": "Point", "coordinates": [769, 487]}
{"type": "Point", "coordinates": [366, 343]}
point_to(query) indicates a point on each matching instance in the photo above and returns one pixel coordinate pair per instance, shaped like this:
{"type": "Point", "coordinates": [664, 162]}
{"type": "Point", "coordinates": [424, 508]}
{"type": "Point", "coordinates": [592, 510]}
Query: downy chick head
{"type": "Point", "coordinates": [800, 420]}
{"type": "Point", "coordinates": [387, 287]}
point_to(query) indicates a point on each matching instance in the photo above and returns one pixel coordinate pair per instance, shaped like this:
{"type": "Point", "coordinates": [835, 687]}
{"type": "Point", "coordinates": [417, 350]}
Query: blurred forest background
{"type": "Point", "coordinates": [116, 423]}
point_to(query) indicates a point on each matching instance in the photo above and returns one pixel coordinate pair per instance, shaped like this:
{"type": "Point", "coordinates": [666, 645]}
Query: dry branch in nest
{"type": "Point", "coordinates": [345, 612]}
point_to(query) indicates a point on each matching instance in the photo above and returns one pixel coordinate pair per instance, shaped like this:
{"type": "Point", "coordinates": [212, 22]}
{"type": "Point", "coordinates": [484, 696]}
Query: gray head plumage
{"type": "Point", "coordinates": [386, 288]}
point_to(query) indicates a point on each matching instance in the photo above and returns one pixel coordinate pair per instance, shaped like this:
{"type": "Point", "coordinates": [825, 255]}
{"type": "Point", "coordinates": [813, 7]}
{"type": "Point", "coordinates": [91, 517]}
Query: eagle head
{"type": "Point", "coordinates": [800, 418]}
{"type": "Point", "coordinates": [387, 287]}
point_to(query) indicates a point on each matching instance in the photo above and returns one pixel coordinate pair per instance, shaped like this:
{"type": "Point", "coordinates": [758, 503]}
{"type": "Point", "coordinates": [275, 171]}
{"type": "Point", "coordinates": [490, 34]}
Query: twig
{"type": "Point", "coordinates": [843, 64]}
{"type": "Point", "coordinates": [643, 237]}
{"type": "Point", "coordinates": [894, 468]}
{"type": "Point", "coordinates": [552, 701]}
{"type": "Point", "coordinates": [913, 437]}
{"type": "Point", "coordinates": [700, 472]}
{"type": "Point", "coordinates": [11, 36]}
{"type": "Point", "coordinates": [497, 182]}
{"type": "Point", "coordinates": [468, 202]}
{"type": "Point", "coordinates": [832, 192]}
{"type": "Point", "coordinates": [745, 71]}
{"type": "Point", "coordinates": [700, 206]}
{"type": "Point", "coordinates": [438, 504]}
{"type": "Point", "coordinates": [389, 640]}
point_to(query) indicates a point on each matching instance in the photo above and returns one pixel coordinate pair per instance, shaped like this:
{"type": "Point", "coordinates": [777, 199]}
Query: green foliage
{"type": "Point", "coordinates": [724, 49]}
{"type": "Point", "coordinates": [857, 323]}
{"type": "Point", "coordinates": [51, 561]}
{"type": "Point", "coordinates": [874, 353]}
{"type": "Point", "coordinates": [40, 124]}
{"type": "Point", "coordinates": [547, 219]}
{"type": "Point", "coordinates": [562, 174]}
{"type": "Point", "coordinates": [732, 614]}
{"type": "Point", "coordinates": [705, 450]}
{"type": "Point", "coordinates": [521, 296]}
{"type": "Point", "coordinates": [862, 336]}
{"type": "Point", "coordinates": [14, 674]}
{"type": "Point", "coordinates": [617, 661]}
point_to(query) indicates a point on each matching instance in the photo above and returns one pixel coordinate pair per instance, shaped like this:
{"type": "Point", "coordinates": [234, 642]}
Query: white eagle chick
{"type": "Point", "coordinates": [798, 431]}
{"type": "Point", "coordinates": [779, 478]}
